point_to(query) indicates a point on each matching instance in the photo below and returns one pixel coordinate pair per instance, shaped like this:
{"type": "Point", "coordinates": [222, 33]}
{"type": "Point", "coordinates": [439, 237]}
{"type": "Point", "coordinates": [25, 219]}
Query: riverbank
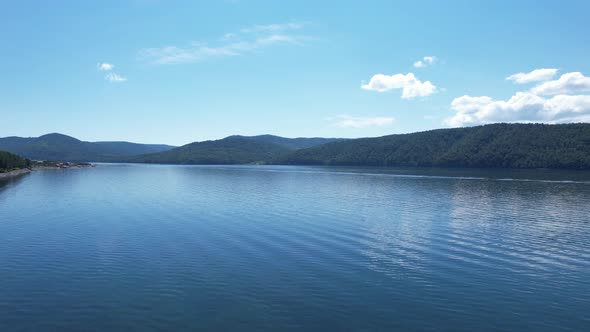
{"type": "Point", "coordinates": [18, 172]}
{"type": "Point", "coordinates": [40, 168]}
{"type": "Point", "coordinates": [39, 165]}
{"type": "Point", "coordinates": [44, 166]}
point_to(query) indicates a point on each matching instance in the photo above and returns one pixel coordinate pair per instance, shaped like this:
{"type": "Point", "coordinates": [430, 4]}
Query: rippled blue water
{"type": "Point", "coordinates": [184, 248]}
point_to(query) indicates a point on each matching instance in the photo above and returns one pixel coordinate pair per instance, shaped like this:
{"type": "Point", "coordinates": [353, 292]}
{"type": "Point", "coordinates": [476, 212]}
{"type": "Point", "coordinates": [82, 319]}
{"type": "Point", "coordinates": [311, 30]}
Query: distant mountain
{"type": "Point", "coordinates": [490, 146]}
{"type": "Point", "coordinates": [66, 148]}
{"type": "Point", "coordinates": [494, 146]}
{"type": "Point", "coordinates": [230, 150]}
{"type": "Point", "coordinates": [131, 149]}
{"type": "Point", "coordinates": [292, 143]}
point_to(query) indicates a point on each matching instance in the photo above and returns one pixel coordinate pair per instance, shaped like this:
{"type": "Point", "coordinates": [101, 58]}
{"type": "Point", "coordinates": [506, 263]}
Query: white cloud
{"type": "Point", "coordinates": [274, 28]}
{"type": "Point", "coordinates": [411, 86]}
{"type": "Point", "coordinates": [105, 66]}
{"type": "Point", "coordinates": [115, 78]}
{"type": "Point", "coordinates": [426, 61]}
{"type": "Point", "coordinates": [536, 75]}
{"type": "Point", "coordinates": [522, 107]}
{"type": "Point", "coordinates": [247, 40]}
{"type": "Point", "coordinates": [553, 101]}
{"type": "Point", "coordinates": [568, 83]}
{"type": "Point", "coordinates": [347, 121]}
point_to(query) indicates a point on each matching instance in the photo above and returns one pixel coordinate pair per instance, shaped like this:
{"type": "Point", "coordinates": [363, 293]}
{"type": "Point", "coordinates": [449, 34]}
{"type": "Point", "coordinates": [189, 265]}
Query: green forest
{"type": "Point", "coordinates": [500, 145]}
{"type": "Point", "coordinates": [66, 148]}
{"type": "Point", "coordinates": [490, 146]}
{"type": "Point", "coordinates": [9, 162]}
{"type": "Point", "coordinates": [230, 150]}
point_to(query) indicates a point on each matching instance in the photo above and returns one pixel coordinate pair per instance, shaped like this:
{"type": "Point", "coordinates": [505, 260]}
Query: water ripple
{"type": "Point", "coordinates": [136, 247]}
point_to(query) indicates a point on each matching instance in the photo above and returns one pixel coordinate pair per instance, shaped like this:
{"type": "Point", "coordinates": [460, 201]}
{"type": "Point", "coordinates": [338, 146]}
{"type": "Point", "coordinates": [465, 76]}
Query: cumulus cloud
{"type": "Point", "coordinates": [536, 75]}
{"type": "Point", "coordinates": [568, 83]}
{"type": "Point", "coordinates": [115, 78]}
{"type": "Point", "coordinates": [347, 121]}
{"type": "Point", "coordinates": [244, 41]}
{"type": "Point", "coordinates": [105, 66]}
{"type": "Point", "coordinates": [555, 101]}
{"type": "Point", "coordinates": [522, 107]}
{"type": "Point", "coordinates": [426, 61]}
{"type": "Point", "coordinates": [410, 85]}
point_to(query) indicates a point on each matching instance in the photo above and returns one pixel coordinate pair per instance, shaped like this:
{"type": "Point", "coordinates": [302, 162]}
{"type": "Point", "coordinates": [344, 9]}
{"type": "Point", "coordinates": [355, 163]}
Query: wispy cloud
{"type": "Point", "coordinates": [115, 78]}
{"type": "Point", "coordinates": [111, 76]}
{"type": "Point", "coordinates": [410, 85]}
{"type": "Point", "coordinates": [246, 40]}
{"type": "Point", "coordinates": [555, 101]}
{"type": "Point", "coordinates": [348, 121]}
{"type": "Point", "coordinates": [273, 28]}
{"type": "Point", "coordinates": [426, 61]}
{"type": "Point", "coordinates": [105, 66]}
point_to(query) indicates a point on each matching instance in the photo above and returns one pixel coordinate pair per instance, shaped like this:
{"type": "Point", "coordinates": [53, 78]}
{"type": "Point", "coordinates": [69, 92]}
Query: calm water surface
{"type": "Point", "coordinates": [184, 248]}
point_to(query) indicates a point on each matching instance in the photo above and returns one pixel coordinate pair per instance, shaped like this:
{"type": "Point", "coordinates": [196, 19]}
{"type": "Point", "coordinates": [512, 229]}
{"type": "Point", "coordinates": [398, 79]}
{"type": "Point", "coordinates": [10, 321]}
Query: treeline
{"type": "Point", "coordinates": [66, 148]}
{"type": "Point", "coordinates": [9, 161]}
{"type": "Point", "coordinates": [489, 146]}
{"type": "Point", "coordinates": [230, 150]}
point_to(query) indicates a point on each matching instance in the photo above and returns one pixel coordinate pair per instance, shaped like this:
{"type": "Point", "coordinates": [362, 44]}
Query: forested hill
{"type": "Point", "coordinates": [493, 146]}
{"type": "Point", "coordinates": [9, 161]}
{"type": "Point", "coordinates": [489, 146]}
{"type": "Point", "coordinates": [66, 148]}
{"type": "Point", "coordinates": [230, 150]}
{"type": "Point", "coordinates": [291, 143]}
{"type": "Point", "coordinates": [130, 149]}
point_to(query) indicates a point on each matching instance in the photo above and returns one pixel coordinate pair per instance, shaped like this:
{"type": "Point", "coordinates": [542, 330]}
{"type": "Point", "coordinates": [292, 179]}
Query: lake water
{"type": "Point", "coordinates": [184, 248]}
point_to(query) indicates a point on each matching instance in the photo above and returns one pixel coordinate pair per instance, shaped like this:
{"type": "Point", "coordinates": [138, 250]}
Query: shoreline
{"type": "Point", "coordinates": [23, 171]}
{"type": "Point", "coordinates": [15, 173]}
{"type": "Point", "coordinates": [41, 168]}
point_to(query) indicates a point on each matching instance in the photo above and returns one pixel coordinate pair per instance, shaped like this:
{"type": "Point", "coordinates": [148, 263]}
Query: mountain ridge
{"type": "Point", "coordinates": [56, 146]}
{"type": "Point", "coordinates": [229, 150]}
{"type": "Point", "coordinates": [499, 145]}
{"type": "Point", "coordinates": [294, 143]}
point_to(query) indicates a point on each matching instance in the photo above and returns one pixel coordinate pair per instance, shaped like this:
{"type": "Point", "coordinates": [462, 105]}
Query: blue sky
{"type": "Point", "coordinates": [181, 71]}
